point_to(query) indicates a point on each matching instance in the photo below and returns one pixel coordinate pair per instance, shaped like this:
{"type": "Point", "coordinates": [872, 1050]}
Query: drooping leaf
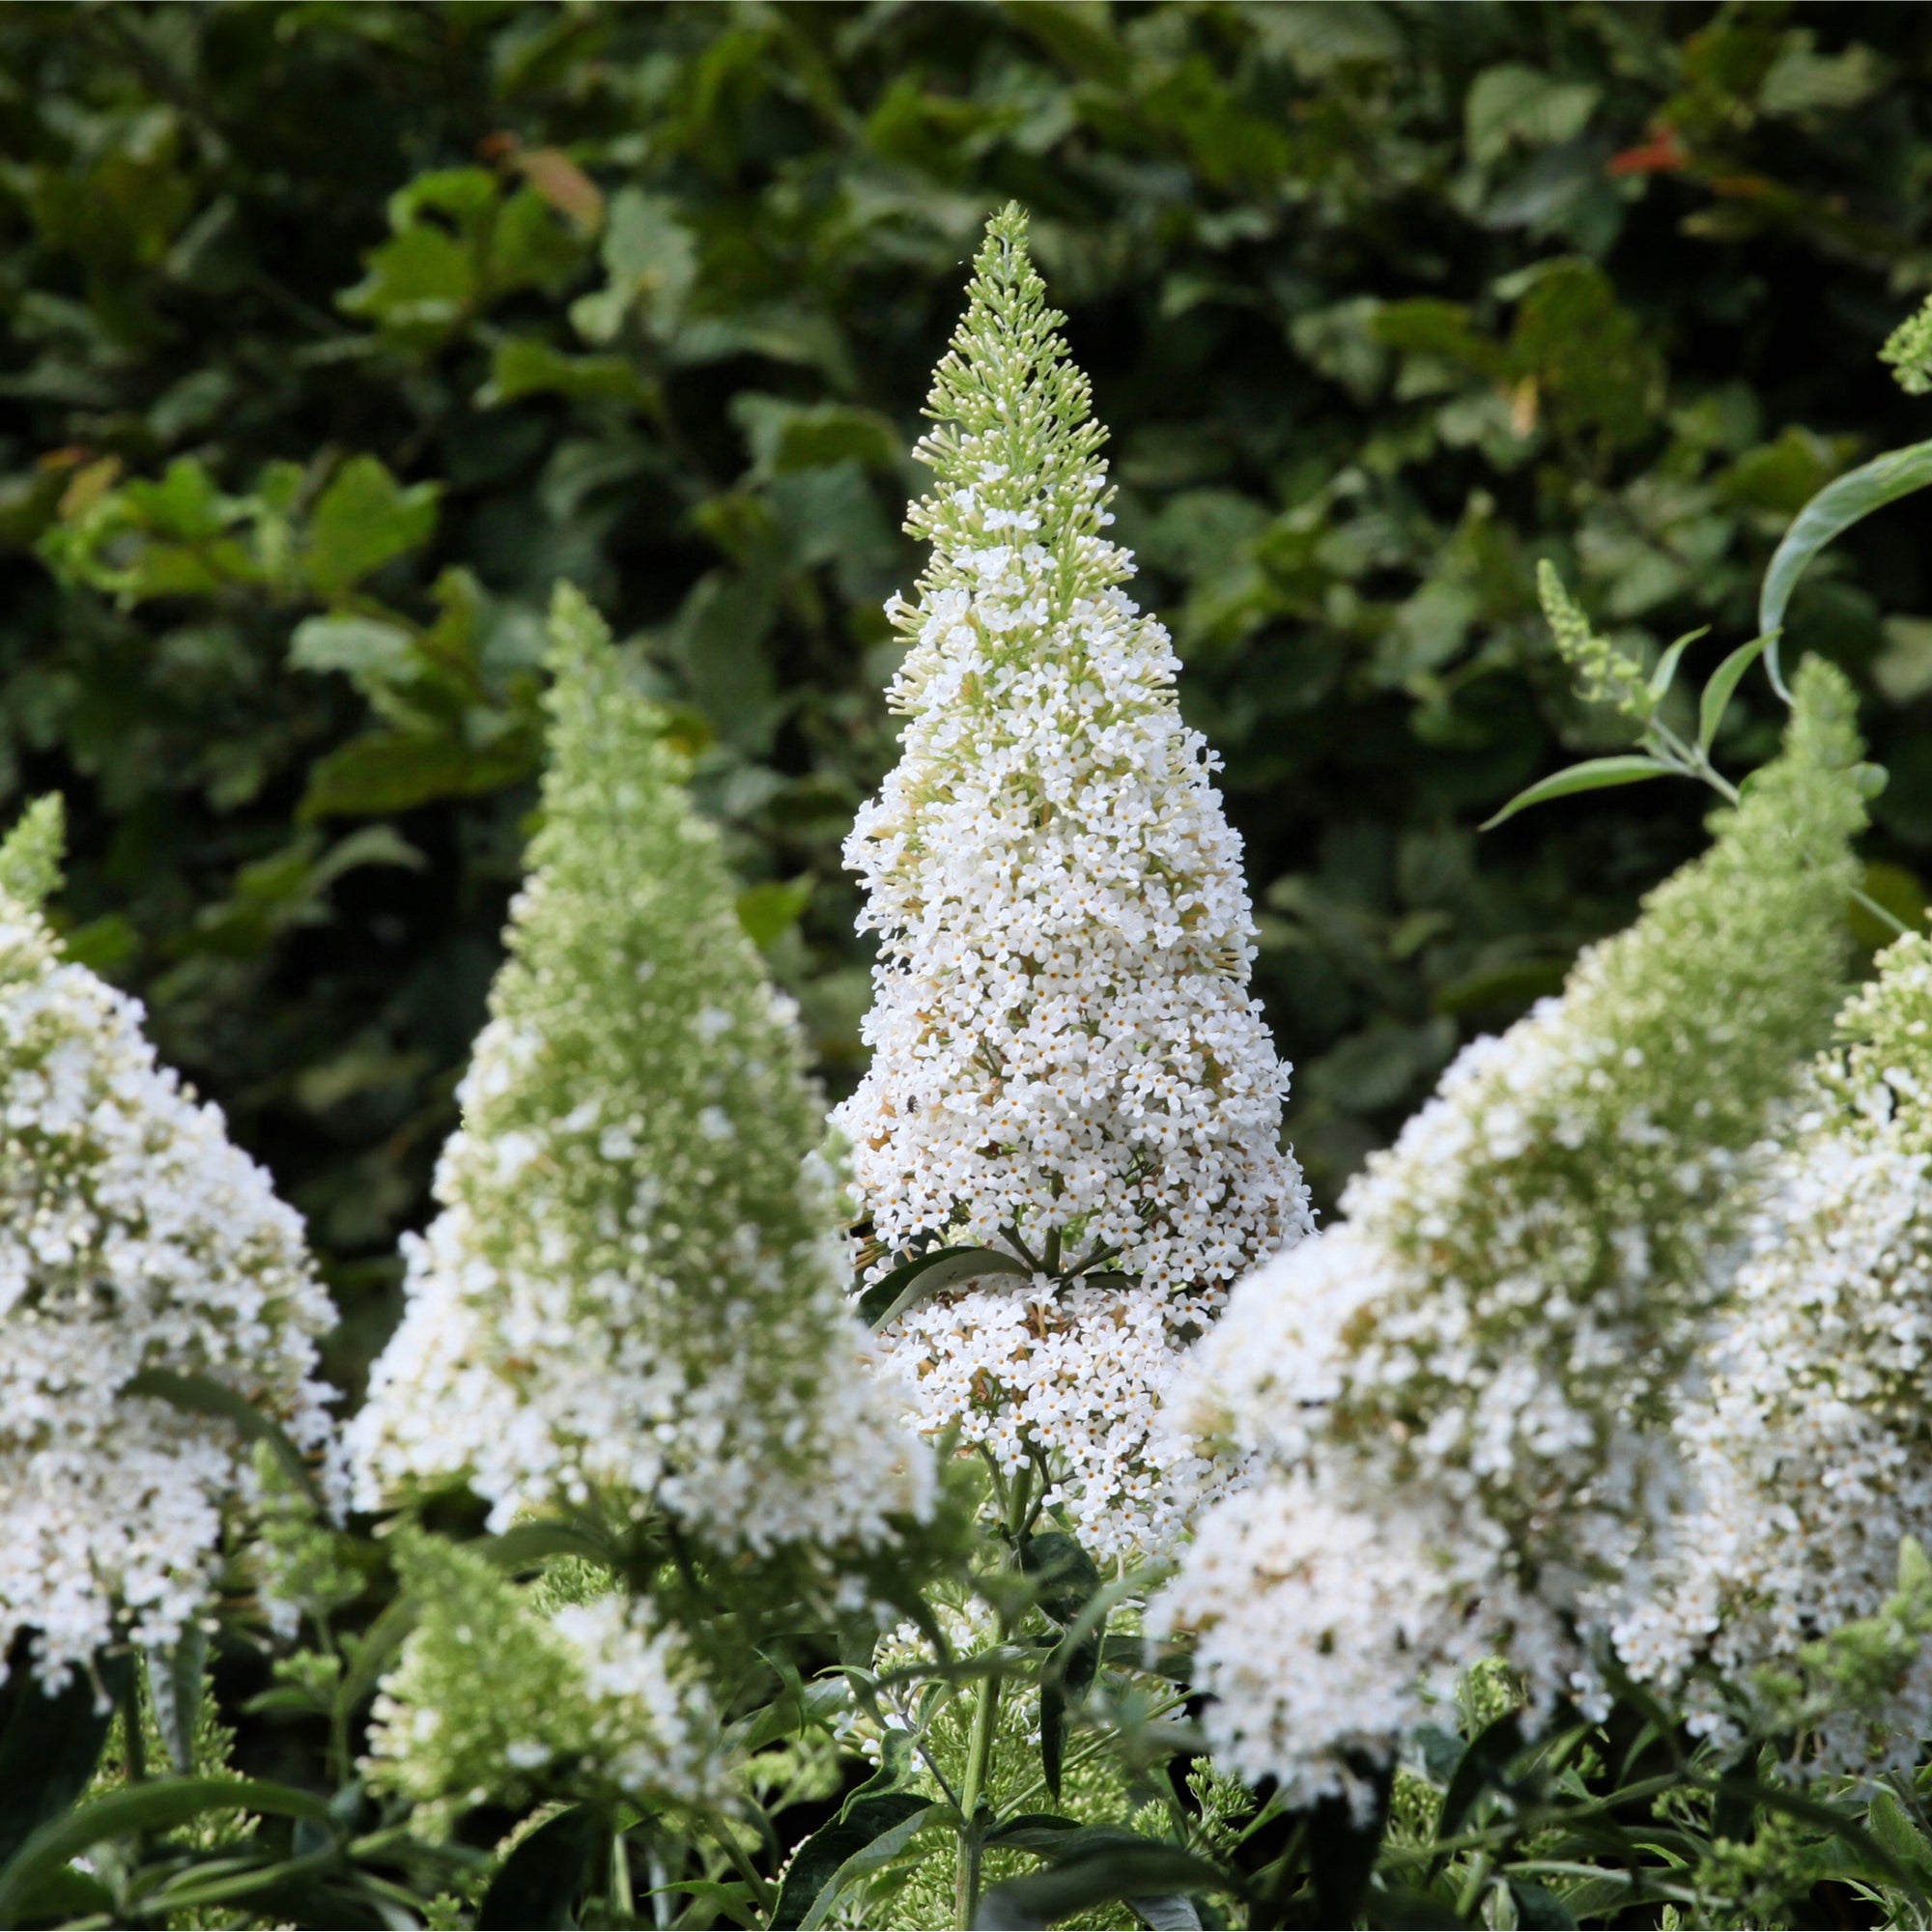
{"type": "Point", "coordinates": [203, 1395]}
{"type": "Point", "coordinates": [909, 1284]}
{"type": "Point", "coordinates": [1146, 1871]}
{"type": "Point", "coordinates": [1592, 775]}
{"type": "Point", "coordinates": [161, 1805]}
{"type": "Point", "coordinates": [1833, 510]}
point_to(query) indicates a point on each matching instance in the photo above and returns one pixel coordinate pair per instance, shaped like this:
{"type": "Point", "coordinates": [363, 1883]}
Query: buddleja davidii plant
{"type": "Point", "coordinates": [164, 1434]}
{"type": "Point", "coordinates": [1067, 1145]}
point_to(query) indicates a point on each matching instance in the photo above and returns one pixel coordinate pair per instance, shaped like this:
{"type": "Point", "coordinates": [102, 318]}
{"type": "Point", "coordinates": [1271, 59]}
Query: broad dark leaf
{"type": "Point", "coordinates": [539, 1884]}
{"type": "Point", "coordinates": [820, 1858]}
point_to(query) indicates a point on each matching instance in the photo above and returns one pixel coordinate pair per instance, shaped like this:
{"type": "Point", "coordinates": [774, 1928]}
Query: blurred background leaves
{"type": "Point", "coordinates": [331, 334]}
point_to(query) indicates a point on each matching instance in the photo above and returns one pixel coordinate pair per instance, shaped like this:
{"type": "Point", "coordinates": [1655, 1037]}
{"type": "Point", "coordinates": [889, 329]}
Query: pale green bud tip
{"type": "Point", "coordinates": [31, 854]}
{"type": "Point", "coordinates": [1604, 676]}
{"type": "Point", "coordinates": [578, 632]}
{"type": "Point", "coordinates": [1909, 351]}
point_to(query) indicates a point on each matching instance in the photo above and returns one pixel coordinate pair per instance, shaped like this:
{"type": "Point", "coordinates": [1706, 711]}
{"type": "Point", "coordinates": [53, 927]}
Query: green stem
{"type": "Point", "coordinates": [1016, 1514]}
{"type": "Point", "coordinates": [763, 1896]}
{"type": "Point", "coordinates": [622, 1898]}
{"type": "Point", "coordinates": [979, 1760]}
{"type": "Point", "coordinates": [134, 1740]}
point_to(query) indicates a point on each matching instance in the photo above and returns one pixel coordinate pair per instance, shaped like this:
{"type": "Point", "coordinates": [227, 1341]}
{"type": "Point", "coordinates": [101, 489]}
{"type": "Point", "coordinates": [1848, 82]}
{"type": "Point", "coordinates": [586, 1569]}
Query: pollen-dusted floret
{"type": "Point", "coordinates": [1485, 1353]}
{"type": "Point", "coordinates": [134, 1237]}
{"type": "Point", "coordinates": [1066, 1058]}
{"type": "Point", "coordinates": [633, 1299]}
{"type": "Point", "coordinates": [502, 1692]}
{"type": "Point", "coordinates": [1810, 1452]}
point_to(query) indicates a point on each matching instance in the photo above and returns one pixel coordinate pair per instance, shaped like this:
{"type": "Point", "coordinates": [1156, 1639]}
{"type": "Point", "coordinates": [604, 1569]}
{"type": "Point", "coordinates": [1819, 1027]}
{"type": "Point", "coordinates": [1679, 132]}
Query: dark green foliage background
{"type": "Point", "coordinates": [1382, 303]}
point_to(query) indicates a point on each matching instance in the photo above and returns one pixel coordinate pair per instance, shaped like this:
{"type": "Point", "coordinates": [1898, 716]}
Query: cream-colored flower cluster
{"type": "Point", "coordinates": [633, 1300]}
{"type": "Point", "coordinates": [134, 1237]}
{"type": "Point", "coordinates": [1810, 1451]}
{"type": "Point", "coordinates": [1068, 1061]}
{"type": "Point", "coordinates": [1459, 1396]}
{"type": "Point", "coordinates": [503, 1690]}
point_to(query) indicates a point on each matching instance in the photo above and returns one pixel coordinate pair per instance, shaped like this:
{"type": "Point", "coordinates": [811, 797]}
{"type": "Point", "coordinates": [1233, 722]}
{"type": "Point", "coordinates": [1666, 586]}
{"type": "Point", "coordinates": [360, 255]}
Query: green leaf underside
{"type": "Point", "coordinates": [202, 1395]}
{"type": "Point", "coordinates": [1717, 698]}
{"type": "Point", "coordinates": [1832, 511]}
{"type": "Point", "coordinates": [1592, 775]}
{"type": "Point", "coordinates": [909, 1284]}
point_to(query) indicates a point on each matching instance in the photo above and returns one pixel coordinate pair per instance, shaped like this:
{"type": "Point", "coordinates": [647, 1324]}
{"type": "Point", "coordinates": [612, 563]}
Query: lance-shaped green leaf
{"type": "Point", "coordinates": [1832, 511]}
{"type": "Point", "coordinates": [1717, 697]}
{"type": "Point", "coordinates": [1592, 775]}
{"type": "Point", "coordinates": [202, 1395]}
{"type": "Point", "coordinates": [909, 1284]}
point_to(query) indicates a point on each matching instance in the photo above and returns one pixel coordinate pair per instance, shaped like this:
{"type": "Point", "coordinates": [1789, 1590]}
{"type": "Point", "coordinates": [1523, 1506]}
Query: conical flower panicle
{"type": "Point", "coordinates": [1809, 1448]}
{"type": "Point", "coordinates": [513, 1690]}
{"type": "Point", "coordinates": [633, 1299]}
{"type": "Point", "coordinates": [1068, 1063]}
{"type": "Point", "coordinates": [1462, 1391]}
{"type": "Point", "coordinates": [134, 1237]}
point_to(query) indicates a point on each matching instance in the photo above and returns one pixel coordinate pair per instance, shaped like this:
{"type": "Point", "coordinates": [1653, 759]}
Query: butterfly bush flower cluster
{"type": "Point", "coordinates": [135, 1237]}
{"type": "Point", "coordinates": [1456, 1393]}
{"type": "Point", "coordinates": [1811, 1453]}
{"type": "Point", "coordinates": [1068, 1063]}
{"type": "Point", "coordinates": [583, 1683]}
{"type": "Point", "coordinates": [633, 1300]}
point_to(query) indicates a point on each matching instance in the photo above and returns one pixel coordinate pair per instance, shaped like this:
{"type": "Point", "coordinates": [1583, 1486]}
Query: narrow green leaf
{"type": "Point", "coordinates": [887, 1298]}
{"type": "Point", "coordinates": [173, 1688]}
{"type": "Point", "coordinates": [203, 1395]}
{"type": "Point", "coordinates": [1832, 511]}
{"type": "Point", "coordinates": [162, 1805]}
{"type": "Point", "coordinates": [1717, 698]}
{"type": "Point", "coordinates": [1148, 1871]}
{"type": "Point", "coordinates": [1481, 1768]}
{"type": "Point", "coordinates": [1592, 775]}
{"type": "Point", "coordinates": [1666, 666]}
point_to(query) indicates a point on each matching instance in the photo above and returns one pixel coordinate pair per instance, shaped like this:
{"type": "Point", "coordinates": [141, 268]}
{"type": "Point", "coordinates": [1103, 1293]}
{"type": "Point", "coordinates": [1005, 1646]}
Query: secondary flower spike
{"type": "Point", "coordinates": [1461, 1392]}
{"type": "Point", "coordinates": [1068, 1063]}
{"type": "Point", "coordinates": [1808, 1447]}
{"type": "Point", "coordinates": [633, 1299]}
{"type": "Point", "coordinates": [135, 1237]}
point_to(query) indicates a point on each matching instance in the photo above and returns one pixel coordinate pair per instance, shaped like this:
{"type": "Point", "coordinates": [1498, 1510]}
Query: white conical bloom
{"type": "Point", "coordinates": [1463, 1380]}
{"type": "Point", "coordinates": [135, 1237]}
{"type": "Point", "coordinates": [1811, 1453]}
{"type": "Point", "coordinates": [633, 1297]}
{"type": "Point", "coordinates": [1068, 1061]}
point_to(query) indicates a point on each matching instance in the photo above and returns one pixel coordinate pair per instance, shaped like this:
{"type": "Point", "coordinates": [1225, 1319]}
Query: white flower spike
{"type": "Point", "coordinates": [135, 1237]}
{"type": "Point", "coordinates": [1068, 1063]}
{"type": "Point", "coordinates": [633, 1297]}
{"type": "Point", "coordinates": [1459, 1396]}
